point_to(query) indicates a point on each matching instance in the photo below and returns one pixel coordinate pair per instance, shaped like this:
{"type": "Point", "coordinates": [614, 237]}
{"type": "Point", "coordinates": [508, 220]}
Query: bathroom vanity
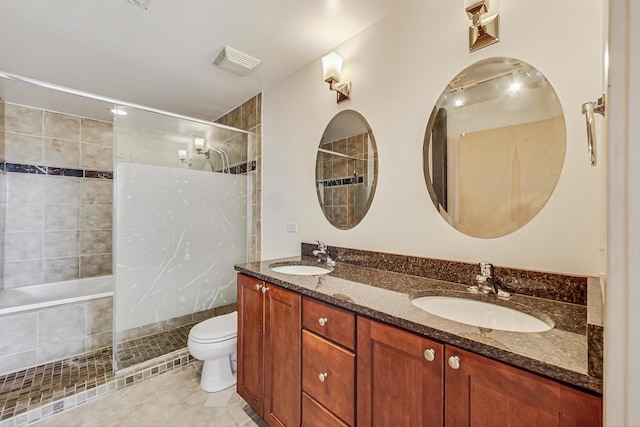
{"type": "Point", "coordinates": [348, 348]}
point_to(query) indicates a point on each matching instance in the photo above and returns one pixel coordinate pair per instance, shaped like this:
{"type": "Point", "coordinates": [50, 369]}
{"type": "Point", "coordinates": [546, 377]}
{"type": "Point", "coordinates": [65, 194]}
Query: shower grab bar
{"type": "Point", "coordinates": [589, 109]}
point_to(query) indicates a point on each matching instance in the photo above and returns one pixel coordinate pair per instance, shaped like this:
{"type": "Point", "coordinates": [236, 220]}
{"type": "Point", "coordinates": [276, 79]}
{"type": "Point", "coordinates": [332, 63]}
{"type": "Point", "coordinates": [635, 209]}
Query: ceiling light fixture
{"type": "Point", "coordinates": [332, 68]}
{"type": "Point", "coordinates": [236, 62]}
{"type": "Point", "coordinates": [118, 111]}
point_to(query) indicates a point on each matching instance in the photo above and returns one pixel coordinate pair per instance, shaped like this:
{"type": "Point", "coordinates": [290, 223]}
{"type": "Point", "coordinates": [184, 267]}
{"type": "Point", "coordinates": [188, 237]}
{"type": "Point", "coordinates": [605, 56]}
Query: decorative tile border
{"type": "Point", "coordinates": [558, 287]}
{"type": "Point", "coordinates": [241, 168]}
{"type": "Point", "coordinates": [341, 181]}
{"type": "Point", "coordinates": [50, 170]}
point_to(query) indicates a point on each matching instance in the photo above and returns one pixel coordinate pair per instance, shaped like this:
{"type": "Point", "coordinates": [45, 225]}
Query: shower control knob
{"type": "Point", "coordinates": [454, 362]}
{"type": "Point", "coordinates": [258, 287]}
{"type": "Point", "coordinates": [323, 376]}
{"type": "Point", "coordinates": [264, 289]}
{"type": "Point", "coordinates": [430, 354]}
{"type": "Point", "coordinates": [323, 321]}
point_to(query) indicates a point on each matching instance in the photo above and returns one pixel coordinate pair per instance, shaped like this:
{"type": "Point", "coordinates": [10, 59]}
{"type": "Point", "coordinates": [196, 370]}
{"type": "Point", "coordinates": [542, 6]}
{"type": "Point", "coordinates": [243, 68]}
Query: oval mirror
{"type": "Point", "coordinates": [494, 147]}
{"type": "Point", "coordinates": [346, 169]}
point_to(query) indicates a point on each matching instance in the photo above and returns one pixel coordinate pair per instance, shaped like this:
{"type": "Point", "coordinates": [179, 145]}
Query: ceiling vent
{"type": "Point", "coordinates": [236, 62]}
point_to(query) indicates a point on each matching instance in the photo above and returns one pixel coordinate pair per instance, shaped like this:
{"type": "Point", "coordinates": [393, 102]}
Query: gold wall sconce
{"type": "Point", "coordinates": [332, 68]}
{"type": "Point", "coordinates": [485, 23]}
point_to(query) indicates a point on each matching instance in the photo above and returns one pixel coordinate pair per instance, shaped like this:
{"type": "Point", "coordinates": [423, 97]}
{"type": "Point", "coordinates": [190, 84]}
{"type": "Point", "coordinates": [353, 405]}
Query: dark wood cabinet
{"type": "Point", "coordinates": [269, 350]}
{"type": "Point", "coordinates": [400, 377]}
{"type": "Point", "coordinates": [484, 392]}
{"type": "Point", "coordinates": [397, 386]}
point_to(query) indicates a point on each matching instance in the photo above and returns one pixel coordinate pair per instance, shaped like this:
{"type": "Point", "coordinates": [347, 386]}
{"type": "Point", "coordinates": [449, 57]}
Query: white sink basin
{"type": "Point", "coordinates": [482, 314]}
{"type": "Point", "coordinates": [300, 269]}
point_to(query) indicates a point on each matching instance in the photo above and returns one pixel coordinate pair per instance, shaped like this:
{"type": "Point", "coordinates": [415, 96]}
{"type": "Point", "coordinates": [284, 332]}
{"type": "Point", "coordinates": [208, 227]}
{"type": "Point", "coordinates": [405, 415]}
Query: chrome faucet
{"type": "Point", "coordinates": [323, 254]}
{"type": "Point", "coordinates": [486, 283]}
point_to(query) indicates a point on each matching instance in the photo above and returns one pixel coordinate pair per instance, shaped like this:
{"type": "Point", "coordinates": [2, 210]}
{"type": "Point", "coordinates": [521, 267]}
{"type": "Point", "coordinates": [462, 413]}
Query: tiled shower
{"type": "Point", "coordinates": [58, 170]}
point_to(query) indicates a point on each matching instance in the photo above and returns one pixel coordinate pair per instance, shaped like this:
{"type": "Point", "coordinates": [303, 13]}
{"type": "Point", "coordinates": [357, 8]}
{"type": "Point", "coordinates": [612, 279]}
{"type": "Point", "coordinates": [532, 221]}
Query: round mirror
{"type": "Point", "coordinates": [346, 169]}
{"type": "Point", "coordinates": [494, 147]}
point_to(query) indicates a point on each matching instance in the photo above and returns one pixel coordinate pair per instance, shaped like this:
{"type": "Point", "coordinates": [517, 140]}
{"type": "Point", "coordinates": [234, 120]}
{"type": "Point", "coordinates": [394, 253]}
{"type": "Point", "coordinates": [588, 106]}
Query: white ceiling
{"type": "Point", "coordinates": [162, 57]}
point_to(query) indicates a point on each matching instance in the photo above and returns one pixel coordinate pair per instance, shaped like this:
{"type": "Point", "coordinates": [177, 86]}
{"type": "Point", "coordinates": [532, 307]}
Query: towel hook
{"type": "Point", "coordinates": [588, 109]}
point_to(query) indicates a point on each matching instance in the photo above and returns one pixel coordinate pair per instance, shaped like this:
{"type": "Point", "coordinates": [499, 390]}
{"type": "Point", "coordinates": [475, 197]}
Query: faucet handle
{"type": "Point", "coordinates": [486, 269]}
{"type": "Point", "coordinates": [321, 245]}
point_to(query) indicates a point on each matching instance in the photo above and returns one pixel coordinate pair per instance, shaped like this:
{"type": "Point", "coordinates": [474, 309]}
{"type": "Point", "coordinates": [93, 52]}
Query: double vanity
{"type": "Point", "coordinates": [354, 345]}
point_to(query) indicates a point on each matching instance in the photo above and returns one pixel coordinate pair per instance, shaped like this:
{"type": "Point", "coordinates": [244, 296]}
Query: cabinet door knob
{"type": "Point", "coordinates": [430, 354]}
{"type": "Point", "coordinates": [323, 376]}
{"type": "Point", "coordinates": [258, 286]}
{"type": "Point", "coordinates": [454, 362]}
{"type": "Point", "coordinates": [264, 289]}
{"type": "Point", "coordinates": [323, 321]}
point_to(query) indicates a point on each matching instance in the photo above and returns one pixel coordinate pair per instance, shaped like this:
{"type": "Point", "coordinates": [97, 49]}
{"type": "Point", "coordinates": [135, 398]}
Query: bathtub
{"type": "Point", "coordinates": [43, 323]}
{"type": "Point", "coordinates": [14, 300]}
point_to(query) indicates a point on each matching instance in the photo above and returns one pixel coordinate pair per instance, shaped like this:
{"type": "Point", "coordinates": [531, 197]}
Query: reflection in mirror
{"type": "Point", "coordinates": [346, 169]}
{"type": "Point", "coordinates": [494, 147]}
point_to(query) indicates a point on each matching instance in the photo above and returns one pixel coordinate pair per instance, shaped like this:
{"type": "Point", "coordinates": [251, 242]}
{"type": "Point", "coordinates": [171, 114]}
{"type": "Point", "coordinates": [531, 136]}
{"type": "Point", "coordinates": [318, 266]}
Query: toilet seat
{"type": "Point", "coordinates": [216, 329]}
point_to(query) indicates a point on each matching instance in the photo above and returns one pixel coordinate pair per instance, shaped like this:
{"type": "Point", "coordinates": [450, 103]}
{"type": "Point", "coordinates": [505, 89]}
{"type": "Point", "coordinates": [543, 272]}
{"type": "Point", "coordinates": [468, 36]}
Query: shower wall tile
{"type": "Point", "coordinates": [99, 192]}
{"type": "Point", "coordinates": [23, 246]}
{"type": "Point", "coordinates": [18, 333]}
{"type": "Point", "coordinates": [249, 114]}
{"type": "Point", "coordinates": [22, 273]}
{"type": "Point", "coordinates": [101, 340]}
{"type": "Point", "coordinates": [58, 152]}
{"type": "Point", "coordinates": [60, 244]}
{"type": "Point", "coordinates": [96, 217]}
{"type": "Point", "coordinates": [61, 190]}
{"type": "Point", "coordinates": [23, 148]}
{"type": "Point", "coordinates": [96, 265]}
{"type": "Point", "coordinates": [61, 269]}
{"type": "Point", "coordinates": [23, 119]}
{"type": "Point", "coordinates": [25, 188]}
{"type": "Point", "coordinates": [99, 316]}
{"type": "Point", "coordinates": [68, 318]}
{"type": "Point", "coordinates": [94, 156]}
{"type": "Point", "coordinates": [61, 218]}
{"type": "Point", "coordinates": [97, 132]}
{"type": "Point", "coordinates": [62, 126]}
{"type": "Point", "coordinates": [94, 242]}
{"type": "Point", "coordinates": [21, 217]}
{"type": "Point", "coordinates": [14, 362]}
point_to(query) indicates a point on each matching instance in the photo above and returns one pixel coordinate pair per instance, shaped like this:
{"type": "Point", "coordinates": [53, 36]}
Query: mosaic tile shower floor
{"type": "Point", "coordinates": [39, 386]}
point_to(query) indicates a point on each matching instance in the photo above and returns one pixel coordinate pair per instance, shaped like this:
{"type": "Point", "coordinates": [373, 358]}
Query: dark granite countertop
{"type": "Point", "coordinates": [560, 353]}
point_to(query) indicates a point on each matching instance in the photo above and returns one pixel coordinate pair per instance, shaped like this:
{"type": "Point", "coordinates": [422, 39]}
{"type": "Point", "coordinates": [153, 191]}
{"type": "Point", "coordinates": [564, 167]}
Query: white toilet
{"type": "Point", "coordinates": [214, 342]}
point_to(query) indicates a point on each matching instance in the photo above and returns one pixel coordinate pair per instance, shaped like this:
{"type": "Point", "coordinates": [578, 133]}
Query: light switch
{"type": "Point", "coordinates": [292, 227]}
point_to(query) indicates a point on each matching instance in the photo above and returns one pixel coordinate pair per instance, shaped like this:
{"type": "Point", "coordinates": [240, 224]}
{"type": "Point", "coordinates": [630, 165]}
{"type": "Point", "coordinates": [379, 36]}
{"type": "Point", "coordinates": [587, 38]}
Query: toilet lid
{"type": "Point", "coordinates": [217, 328]}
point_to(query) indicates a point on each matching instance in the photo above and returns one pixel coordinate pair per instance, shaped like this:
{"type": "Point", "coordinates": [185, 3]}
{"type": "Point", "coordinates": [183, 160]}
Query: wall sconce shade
{"type": "Point", "coordinates": [198, 145]}
{"type": "Point", "coordinates": [332, 70]}
{"type": "Point", "coordinates": [483, 32]}
{"type": "Point", "coordinates": [182, 156]}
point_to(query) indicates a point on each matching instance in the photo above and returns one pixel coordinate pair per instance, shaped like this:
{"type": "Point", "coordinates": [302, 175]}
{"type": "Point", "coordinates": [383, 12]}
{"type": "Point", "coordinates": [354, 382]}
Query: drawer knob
{"type": "Point", "coordinates": [322, 376]}
{"type": "Point", "coordinates": [430, 354]}
{"type": "Point", "coordinates": [454, 362]}
{"type": "Point", "coordinates": [323, 321]}
{"type": "Point", "coordinates": [264, 289]}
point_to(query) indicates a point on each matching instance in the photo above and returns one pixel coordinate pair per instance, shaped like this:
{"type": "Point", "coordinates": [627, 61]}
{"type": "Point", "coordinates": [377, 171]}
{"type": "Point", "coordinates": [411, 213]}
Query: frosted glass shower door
{"type": "Point", "coordinates": [179, 234]}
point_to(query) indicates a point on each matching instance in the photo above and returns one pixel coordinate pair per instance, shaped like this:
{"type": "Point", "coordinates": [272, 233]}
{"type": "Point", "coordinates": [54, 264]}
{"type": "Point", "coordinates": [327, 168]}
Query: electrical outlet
{"type": "Point", "coordinates": [292, 227]}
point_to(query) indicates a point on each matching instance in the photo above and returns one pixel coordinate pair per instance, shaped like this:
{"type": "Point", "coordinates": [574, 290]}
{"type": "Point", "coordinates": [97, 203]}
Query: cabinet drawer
{"type": "Point", "coordinates": [328, 375]}
{"type": "Point", "coordinates": [316, 415]}
{"type": "Point", "coordinates": [329, 321]}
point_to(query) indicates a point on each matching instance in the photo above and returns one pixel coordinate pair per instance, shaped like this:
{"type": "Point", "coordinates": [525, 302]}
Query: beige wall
{"type": "Point", "coordinates": [398, 68]}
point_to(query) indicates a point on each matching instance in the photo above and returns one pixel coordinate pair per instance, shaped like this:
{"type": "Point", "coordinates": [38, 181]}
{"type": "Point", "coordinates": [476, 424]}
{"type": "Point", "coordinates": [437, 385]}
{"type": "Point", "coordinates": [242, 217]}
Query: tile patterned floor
{"type": "Point", "coordinates": [170, 399]}
{"type": "Point", "coordinates": [27, 389]}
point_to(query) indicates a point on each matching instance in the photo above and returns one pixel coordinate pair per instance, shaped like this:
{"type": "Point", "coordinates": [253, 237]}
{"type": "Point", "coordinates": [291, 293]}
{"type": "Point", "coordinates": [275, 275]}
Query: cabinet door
{"type": "Point", "coordinates": [250, 372]}
{"type": "Point", "coordinates": [397, 385]}
{"type": "Point", "coordinates": [484, 392]}
{"type": "Point", "coordinates": [283, 325]}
